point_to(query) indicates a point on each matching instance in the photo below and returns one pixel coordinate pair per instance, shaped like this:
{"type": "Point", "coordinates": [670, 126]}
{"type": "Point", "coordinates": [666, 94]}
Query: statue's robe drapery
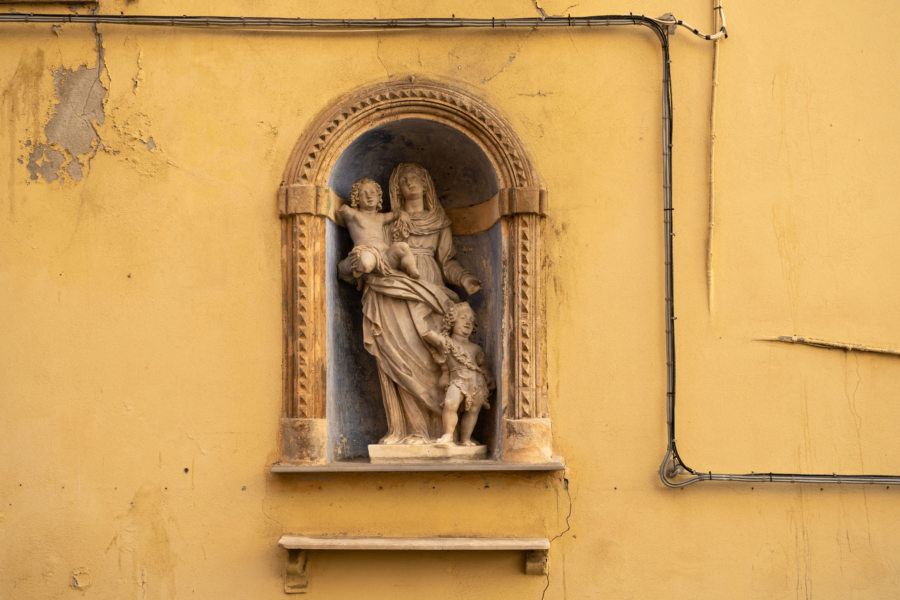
{"type": "Point", "coordinates": [397, 312]}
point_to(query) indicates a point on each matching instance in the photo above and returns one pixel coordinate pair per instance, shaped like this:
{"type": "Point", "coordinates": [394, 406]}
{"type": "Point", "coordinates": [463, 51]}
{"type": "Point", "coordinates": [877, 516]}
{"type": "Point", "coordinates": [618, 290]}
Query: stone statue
{"type": "Point", "coordinates": [366, 225]}
{"type": "Point", "coordinates": [401, 312]}
{"type": "Point", "coordinates": [464, 365]}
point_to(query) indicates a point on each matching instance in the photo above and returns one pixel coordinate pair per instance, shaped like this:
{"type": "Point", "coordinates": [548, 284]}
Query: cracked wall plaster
{"type": "Point", "coordinates": [71, 133]}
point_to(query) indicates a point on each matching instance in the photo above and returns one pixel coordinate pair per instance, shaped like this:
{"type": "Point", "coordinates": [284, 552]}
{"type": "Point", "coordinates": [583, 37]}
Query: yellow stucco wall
{"type": "Point", "coordinates": [140, 365]}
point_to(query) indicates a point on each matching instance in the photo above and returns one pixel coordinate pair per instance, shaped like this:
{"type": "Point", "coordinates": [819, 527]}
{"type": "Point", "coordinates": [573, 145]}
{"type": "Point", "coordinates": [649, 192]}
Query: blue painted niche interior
{"type": "Point", "coordinates": [463, 176]}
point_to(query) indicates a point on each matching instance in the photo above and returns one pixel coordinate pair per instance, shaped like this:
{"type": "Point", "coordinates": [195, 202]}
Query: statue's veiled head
{"type": "Point", "coordinates": [412, 177]}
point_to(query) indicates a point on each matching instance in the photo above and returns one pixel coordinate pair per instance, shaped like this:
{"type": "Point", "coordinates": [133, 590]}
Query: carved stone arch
{"type": "Point", "coordinates": [307, 203]}
{"type": "Point", "coordinates": [317, 151]}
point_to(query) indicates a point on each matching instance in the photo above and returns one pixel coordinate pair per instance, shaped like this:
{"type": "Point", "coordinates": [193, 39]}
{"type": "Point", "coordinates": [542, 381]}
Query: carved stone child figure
{"type": "Point", "coordinates": [366, 225]}
{"type": "Point", "coordinates": [469, 381]}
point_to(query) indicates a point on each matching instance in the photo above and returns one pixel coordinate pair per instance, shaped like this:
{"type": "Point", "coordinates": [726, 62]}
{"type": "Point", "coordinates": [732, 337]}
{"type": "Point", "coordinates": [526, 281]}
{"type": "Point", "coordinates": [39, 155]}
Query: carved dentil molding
{"type": "Point", "coordinates": [316, 152]}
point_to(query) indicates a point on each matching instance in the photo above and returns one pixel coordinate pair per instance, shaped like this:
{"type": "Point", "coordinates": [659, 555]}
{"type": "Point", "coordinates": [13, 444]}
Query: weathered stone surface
{"type": "Point", "coordinates": [527, 440]}
{"type": "Point", "coordinates": [419, 452]}
{"type": "Point", "coordinates": [304, 440]}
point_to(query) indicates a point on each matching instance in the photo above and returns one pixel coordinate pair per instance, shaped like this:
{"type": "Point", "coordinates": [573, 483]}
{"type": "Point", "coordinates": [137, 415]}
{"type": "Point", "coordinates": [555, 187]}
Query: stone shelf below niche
{"type": "Point", "coordinates": [296, 577]}
{"type": "Point", "coordinates": [363, 465]}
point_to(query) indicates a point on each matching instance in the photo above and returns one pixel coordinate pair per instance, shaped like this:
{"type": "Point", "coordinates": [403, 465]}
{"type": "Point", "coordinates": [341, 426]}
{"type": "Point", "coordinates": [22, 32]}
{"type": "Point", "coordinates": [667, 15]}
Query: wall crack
{"type": "Point", "coordinates": [561, 533]}
{"type": "Point", "coordinates": [512, 57]}
{"type": "Point", "coordinates": [538, 8]}
{"type": "Point", "coordinates": [830, 345]}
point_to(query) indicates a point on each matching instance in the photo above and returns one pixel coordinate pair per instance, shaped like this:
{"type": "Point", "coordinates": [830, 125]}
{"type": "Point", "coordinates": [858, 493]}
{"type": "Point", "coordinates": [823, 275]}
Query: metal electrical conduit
{"type": "Point", "coordinates": [672, 465]}
{"type": "Point", "coordinates": [662, 26]}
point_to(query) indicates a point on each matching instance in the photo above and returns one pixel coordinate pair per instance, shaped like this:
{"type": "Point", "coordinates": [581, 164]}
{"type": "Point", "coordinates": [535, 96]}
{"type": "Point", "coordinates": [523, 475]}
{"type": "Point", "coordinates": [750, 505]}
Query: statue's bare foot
{"type": "Point", "coordinates": [468, 443]}
{"type": "Point", "coordinates": [445, 440]}
{"type": "Point", "coordinates": [415, 440]}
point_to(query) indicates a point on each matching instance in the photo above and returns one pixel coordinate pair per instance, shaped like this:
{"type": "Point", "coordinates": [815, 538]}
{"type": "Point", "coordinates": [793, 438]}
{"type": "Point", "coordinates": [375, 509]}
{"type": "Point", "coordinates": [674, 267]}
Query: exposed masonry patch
{"type": "Point", "coordinates": [45, 161]}
{"type": "Point", "coordinates": [71, 133]}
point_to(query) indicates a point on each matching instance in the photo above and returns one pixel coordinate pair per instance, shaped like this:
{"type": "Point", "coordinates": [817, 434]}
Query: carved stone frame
{"type": "Point", "coordinates": [305, 202]}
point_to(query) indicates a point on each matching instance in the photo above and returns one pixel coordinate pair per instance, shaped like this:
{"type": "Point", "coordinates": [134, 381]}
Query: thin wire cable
{"type": "Point", "coordinates": [721, 32]}
{"type": "Point", "coordinates": [290, 23]}
{"type": "Point", "coordinates": [710, 236]}
{"type": "Point", "coordinates": [672, 464]}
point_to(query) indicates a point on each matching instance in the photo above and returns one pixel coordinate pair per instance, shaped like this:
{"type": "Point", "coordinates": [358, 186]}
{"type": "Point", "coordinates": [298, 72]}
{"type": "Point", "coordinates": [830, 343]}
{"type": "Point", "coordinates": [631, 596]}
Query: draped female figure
{"type": "Point", "coordinates": [399, 310]}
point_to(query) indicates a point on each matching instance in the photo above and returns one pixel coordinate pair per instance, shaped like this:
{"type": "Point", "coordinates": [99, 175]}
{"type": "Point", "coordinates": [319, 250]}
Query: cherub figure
{"type": "Point", "coordinates": [469, 381]}
{"type": "Point", "coordinates": [366, 225]}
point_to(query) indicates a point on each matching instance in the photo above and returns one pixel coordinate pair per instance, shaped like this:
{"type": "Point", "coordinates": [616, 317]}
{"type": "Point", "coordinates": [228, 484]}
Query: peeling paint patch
{"type": "Point", "coordinates": [45, 161]}
{"type": "Point", "coordinates": [138, 78]}
{"type": "Point", "coordinates": [74, 170]}
{"type": "Point", "coordinates": [71, 134]}
{"type": "Point", "coordinates": [81, 579]}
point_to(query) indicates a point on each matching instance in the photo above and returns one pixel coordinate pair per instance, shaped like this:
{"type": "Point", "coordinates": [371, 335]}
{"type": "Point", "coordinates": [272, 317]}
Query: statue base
{"type": "Point", "coordinates": [383, 453]}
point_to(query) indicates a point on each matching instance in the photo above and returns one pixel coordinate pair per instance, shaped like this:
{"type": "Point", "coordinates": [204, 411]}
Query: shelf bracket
{"type": "Point", "coordinates": [296, 579]}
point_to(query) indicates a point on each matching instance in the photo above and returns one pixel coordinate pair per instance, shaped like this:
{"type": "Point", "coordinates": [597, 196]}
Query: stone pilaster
{"type": "Point", "coordinates": [526, 423]}
{"type": "Point", "coordinates": [304, 209]}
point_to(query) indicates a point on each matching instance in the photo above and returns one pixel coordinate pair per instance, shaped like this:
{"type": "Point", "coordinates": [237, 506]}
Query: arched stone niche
{"type": "Point", "coordinates": [332, 405]}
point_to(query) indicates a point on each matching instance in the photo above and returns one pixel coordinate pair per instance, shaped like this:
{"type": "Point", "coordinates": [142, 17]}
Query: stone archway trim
{"type": "Point", "coordinates": [317, 151]}
{"type": "Point", "coordinates": [305, 203]}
